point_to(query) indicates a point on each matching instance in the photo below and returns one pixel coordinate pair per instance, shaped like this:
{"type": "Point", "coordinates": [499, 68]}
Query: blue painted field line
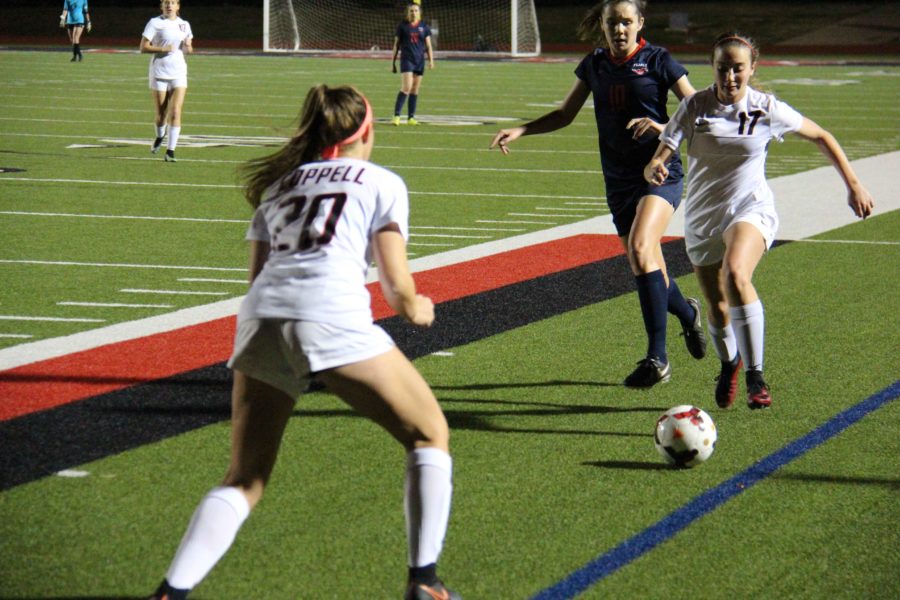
{"type": "Point", "coordinates": [637, 545]}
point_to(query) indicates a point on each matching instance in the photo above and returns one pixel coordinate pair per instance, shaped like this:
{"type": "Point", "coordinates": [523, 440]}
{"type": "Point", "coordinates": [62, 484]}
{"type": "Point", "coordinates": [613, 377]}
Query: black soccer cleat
{"type": "Point", "coordinates": [167, 592]}
{"type": "Point", "coordinates": [435, 591]}
{"type": "Point", "coordinates": [157, 144]}
{"type": "Point", "coordinates": [648, 373]}
{"type": "Point", "coordinates": [726, 382]}
{"type": "Point", "coordinates": [758, 395]}
{"type": "Point", "coordinates": [170, 156]}
{"type": "Point", "coordinates": [694, 335]}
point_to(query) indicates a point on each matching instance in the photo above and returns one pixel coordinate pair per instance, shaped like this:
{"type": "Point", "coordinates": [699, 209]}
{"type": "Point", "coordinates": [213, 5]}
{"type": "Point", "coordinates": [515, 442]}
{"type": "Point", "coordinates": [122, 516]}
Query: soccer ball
{"type": "Point", "coordinates": [685, 436]}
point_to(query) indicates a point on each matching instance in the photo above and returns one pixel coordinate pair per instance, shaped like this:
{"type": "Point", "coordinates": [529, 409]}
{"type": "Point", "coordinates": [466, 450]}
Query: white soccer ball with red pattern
{"type": "Point", "coordinates": [685, 435]}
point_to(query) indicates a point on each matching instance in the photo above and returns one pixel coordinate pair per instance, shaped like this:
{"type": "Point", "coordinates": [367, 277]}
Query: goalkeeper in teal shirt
{"type": "Point", "coordinates": [76, 19]}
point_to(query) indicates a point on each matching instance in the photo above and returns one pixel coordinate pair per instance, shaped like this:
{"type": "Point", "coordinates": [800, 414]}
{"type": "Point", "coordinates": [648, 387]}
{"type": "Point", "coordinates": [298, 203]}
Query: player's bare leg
{"type": "Point", "coordinates": [744, 248]}
{"type": "Point", "coordinates": [390, 391]}
{"type": "Point", "coordinates": [260, 413]}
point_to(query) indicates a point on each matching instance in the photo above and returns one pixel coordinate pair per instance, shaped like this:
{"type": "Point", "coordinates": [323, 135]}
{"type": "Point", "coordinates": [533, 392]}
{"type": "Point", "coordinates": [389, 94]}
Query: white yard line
{"type": "Point", "coordinates": [114, 305]}
{"type": "Point", "coordinates": [809, 204]}
{"type": "Point", "coordinates": [66, 263]}
{"type": "Point", "coordinates": [49, 319]}
{"type": "Point", "coordinates": [171, 292]}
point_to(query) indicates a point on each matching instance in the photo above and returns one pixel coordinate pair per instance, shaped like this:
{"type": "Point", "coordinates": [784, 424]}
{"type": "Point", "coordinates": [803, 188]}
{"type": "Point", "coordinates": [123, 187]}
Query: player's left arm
{"type": "Point", "coordinates": [858, 196]}
{"type": "Point", "coordinates": [87, 19]}
{"type": "Point", "coordinates": [429, 52]}
{"type": "Point", "coordinates": [187, 46]}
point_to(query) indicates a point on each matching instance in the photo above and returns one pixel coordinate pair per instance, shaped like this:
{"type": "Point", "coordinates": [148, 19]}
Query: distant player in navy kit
{"type": "Point", "coordinates": [75, 18]}
{"type": "Point", "coordinates": [413, 44]}
{"type": "Point", "coordinates": [630, 80]}
{"type": "Point", "coordinates": [323, 213]}
{"type": "Point", "coordinates": [730, 218]}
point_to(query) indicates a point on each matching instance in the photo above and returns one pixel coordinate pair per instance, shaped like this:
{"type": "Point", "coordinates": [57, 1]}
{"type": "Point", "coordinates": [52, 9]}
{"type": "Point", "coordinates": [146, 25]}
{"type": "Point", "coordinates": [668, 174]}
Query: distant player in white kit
{"type": "Point", "coordinates": [323, 211]}
{"type": "Point", "coordinates": [730, 218]}
{"type": "Point", "coordinates": [168, 37]}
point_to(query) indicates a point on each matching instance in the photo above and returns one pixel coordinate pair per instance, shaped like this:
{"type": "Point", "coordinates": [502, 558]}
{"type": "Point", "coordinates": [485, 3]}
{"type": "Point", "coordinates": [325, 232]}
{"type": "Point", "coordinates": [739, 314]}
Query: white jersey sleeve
{"type": "Point", "coordinates": [392, 206]}
{"type": "Point", "coordinates": [258, 232]}
{"type": "Point", "coordinates": [679, 128]}
{"type": "Point", "coordinates": [784, 119]}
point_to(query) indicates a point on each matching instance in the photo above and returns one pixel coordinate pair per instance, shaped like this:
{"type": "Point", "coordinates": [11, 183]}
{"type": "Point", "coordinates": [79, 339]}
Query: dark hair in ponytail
{"type": "Point", "coordinates": [328, 116]}
{"type": "Point", "coordinates": [591, 28]}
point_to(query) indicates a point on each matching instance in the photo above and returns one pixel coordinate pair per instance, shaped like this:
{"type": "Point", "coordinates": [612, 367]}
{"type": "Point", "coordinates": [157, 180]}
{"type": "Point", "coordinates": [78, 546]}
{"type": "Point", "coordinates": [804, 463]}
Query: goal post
{"type": "Point", "coordinates": [482, 27]}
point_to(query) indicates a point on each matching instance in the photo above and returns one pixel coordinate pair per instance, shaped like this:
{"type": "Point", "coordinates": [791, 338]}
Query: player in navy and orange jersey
{"type": "Point", "coordinates": [412, 43]}
{"type": "Point", "coordinates": [76, 19]}
{"type": "Point", "coordinates": [323, 213]}
{"type": "Point", "coordinates": [630, 81]}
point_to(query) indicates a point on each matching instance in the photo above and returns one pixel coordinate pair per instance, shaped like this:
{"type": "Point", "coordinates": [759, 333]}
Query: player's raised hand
{"type": "Point", "coordinates": [505, 136]}
{"type": "Point", "coordinates": [642, 126]}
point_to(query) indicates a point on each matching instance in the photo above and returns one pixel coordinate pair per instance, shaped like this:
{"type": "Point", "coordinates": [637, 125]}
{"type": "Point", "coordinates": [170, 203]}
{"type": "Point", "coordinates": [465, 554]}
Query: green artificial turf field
{"type": "Point", "coordinates": [554, 460]}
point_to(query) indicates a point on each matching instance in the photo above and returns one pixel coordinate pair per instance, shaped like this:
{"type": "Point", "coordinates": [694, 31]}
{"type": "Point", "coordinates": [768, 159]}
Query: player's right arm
{"type": "Point", "coordinates": [656, 171]}
{"type": "Point", "coordinates": [553, 120]}
{"type": "Point", "coordinates": [147, 47]}
{"type": "Point", "coordinates": [396, 281]}
{"type": "Point", "coordinates": [396, 51]}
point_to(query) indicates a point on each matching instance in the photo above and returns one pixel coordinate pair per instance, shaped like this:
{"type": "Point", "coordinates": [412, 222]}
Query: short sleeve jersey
{"type": "Point", "coordinates": [319, 221]}
{"type": "Point", "coordinates": [637, 86]}
{"type": "Point", "coordinates": [168, 32]}
{"type": "Point", "coordinates": [727, 147]}
{"type": "Point", "coordinates": [411, 38]}
{"type": "Point", "coordinates": [75, 10]}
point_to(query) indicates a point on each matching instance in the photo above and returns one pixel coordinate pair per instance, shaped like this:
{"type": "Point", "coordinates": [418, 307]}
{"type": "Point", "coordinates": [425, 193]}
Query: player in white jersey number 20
{"type": "Point", "coordinates": [323, 211]}
{"type": "Point", "coordinates": [730, 218]}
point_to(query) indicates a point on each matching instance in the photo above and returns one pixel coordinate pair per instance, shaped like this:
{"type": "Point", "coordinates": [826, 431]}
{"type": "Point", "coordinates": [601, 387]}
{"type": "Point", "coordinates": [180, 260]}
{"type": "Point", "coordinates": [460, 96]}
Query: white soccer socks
{"type": "Point", "coordinates": [427, 496]}
{"type": "Point", "coordinates": [209, 535]}
{"type": "Point", "coordinates": [174, 132]}
{"type": "Point", "coordinates": [723, 341]}
{"type": "Point", "coordinates": [749, 328]}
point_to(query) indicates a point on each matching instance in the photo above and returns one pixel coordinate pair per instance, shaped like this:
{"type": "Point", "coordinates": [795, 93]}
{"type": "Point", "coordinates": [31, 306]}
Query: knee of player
{"type": "Point", "coordinates": [251, 486]}
{"type": "Point", "coordinates": [738, 277]}
{"type": "Point", "coordinates": [642, 250]}
{"type": "Point", "coordinates": [430, 432]}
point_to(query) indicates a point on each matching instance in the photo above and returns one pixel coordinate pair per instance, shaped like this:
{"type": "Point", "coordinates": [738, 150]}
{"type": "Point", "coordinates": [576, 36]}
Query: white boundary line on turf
{"type": "Point", "coordinates": [235, 186]}
{"type": "Point", "coordinates": [809, 204]}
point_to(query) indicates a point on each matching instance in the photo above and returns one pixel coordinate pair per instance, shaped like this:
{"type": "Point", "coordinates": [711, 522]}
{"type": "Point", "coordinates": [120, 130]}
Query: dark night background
{"type": "Point", "coordinates": [802, 25]}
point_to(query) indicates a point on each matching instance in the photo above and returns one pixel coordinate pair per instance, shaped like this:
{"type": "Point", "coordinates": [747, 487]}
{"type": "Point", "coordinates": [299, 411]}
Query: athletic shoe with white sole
{"type": "Point", "coordinates": [648, 373]}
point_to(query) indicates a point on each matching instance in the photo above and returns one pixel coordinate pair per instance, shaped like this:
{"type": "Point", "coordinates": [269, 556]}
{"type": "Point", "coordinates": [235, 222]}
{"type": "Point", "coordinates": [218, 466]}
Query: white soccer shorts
{"type": "Point", "coordinates": [286, 353]}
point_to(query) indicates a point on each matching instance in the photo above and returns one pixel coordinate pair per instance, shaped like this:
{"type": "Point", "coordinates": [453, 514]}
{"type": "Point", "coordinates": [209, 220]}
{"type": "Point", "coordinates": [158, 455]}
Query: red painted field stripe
{"type": "Point", "coordinates": [50, 383]}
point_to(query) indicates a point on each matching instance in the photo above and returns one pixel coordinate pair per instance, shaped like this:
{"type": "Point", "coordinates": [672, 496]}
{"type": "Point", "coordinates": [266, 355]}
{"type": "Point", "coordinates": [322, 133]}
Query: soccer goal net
{"type": "Point", "coordinates": [499, 27]}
